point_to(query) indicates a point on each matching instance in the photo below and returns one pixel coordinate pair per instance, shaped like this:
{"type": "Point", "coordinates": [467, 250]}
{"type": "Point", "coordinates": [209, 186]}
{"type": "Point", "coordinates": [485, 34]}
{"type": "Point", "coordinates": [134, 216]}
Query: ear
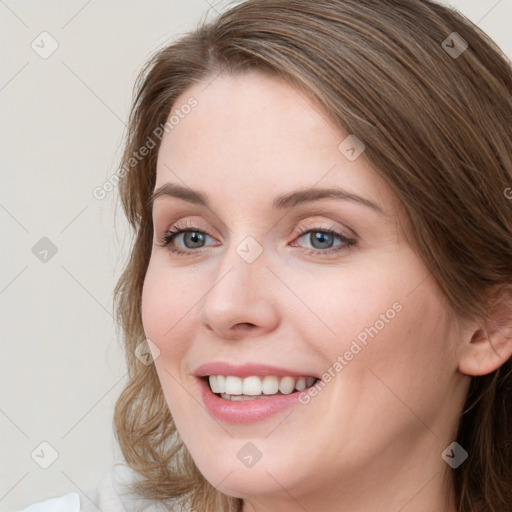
{"type": "Point", "coordinates": [490, 345]}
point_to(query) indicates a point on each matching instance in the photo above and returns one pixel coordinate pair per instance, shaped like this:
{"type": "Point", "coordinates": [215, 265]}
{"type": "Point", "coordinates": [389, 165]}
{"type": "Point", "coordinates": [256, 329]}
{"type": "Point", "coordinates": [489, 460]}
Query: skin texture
{"type": "Point", "coordinates": [373, 436]}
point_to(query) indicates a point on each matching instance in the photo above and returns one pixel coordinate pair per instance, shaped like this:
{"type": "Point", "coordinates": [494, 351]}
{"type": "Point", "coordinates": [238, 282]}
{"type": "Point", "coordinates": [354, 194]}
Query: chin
{"type": "Point", "coordinates": [241, 484]}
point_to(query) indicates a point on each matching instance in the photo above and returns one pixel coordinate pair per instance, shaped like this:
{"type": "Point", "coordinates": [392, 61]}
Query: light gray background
{"type": "Point", "coordinates": [62, 122]}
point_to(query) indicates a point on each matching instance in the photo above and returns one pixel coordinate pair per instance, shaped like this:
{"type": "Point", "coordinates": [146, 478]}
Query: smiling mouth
{"type": "Point", "coordinates": [230, 387]}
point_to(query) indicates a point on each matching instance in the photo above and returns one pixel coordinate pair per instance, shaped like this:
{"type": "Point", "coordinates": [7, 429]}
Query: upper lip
{"type": "Point", "coordinates": [247, 370]}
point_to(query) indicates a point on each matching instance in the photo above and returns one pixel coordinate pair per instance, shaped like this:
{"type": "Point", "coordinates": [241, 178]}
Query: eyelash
{"type": "Point", "coordinates": [177, 229]}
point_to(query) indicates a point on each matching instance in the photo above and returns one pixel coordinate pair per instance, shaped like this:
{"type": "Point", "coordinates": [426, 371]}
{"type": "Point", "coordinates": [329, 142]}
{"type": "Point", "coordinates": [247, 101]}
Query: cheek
{"type": "Point", "coordinates": [167, 313]}
{"type": "Point", "coordinates": [384, 323]}
{"type": "Point", "coordinates": [167, 307]}
{"type": "Point", "coordinates": [405, 351]}
{"type": "Point", "coordinates": [340, 309]}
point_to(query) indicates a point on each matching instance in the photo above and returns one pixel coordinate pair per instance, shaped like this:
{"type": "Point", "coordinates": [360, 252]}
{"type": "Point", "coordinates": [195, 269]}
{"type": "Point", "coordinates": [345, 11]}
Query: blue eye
{"type": "Point", "coordinates": [323, 237]}
{"type": "Point", "coordinates": [193, 238]}
{"type": "Point", "coordinates": [196, 236]}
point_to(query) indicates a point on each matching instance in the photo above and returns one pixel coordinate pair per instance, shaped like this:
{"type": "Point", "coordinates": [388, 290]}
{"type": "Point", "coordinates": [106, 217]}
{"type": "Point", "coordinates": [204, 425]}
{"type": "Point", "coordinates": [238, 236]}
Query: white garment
{"type": "Point", "coordinates": [68, 503]}
{"type": "Point", "coordinates": [109, 496]}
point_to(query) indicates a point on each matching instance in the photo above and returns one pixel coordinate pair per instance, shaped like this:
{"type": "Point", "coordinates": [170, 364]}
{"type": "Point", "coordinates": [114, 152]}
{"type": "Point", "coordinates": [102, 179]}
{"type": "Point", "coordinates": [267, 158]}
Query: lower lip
{"type": "Point", "coordinates": [247, 411]}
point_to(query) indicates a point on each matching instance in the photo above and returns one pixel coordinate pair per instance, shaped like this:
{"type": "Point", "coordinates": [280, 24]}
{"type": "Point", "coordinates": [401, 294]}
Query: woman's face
{"type": "Point", "coordinates": [264, 287]}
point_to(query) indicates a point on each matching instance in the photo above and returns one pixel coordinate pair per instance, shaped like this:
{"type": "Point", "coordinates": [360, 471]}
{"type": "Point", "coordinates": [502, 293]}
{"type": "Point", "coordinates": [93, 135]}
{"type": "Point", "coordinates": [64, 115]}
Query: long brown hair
{"type": "Point", "coordinates": [435, 117]}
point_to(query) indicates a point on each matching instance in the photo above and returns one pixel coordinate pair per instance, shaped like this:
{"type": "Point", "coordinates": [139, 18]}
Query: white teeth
{"type": "Point", "coordinates": [251, 386]}
{"type": "Point", "coordinates": [287, 385]}
{"type": "Point", "coordinates": [233, 385]}
{"type": "Point", "coordinates": [240, 398]}
{"type": "Point", "coordinates": [310, 381]}
{"type": "Point", "coordinates": [270, 385]}
{"type": "Point", "coordinates": [237, 388]}
{"type": "Point", "coordinates": [213, 384]}
{"type": "Point", "coordinates": [300, 384]}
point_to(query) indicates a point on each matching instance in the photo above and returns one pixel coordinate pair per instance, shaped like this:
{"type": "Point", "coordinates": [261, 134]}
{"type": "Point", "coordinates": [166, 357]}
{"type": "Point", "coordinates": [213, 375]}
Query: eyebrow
{"type": "Point", "coordinates": [286, 201]}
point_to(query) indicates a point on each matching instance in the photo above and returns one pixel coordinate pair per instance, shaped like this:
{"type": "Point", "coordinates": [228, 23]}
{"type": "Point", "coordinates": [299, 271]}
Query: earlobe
{"type": "Point", "coordinates": [488, 348]}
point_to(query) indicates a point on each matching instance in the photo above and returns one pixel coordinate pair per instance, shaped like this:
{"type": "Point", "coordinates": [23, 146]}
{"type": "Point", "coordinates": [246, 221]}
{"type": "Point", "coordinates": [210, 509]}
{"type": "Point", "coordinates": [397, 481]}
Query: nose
{"type": "Point", "coordinates": [242, 300]}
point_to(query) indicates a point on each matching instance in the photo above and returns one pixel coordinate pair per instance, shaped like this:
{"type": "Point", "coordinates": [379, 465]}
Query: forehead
{"type": "Point", "coordinates": [250, 112]}
{"type": "Point", "coordinates": [254, 133]}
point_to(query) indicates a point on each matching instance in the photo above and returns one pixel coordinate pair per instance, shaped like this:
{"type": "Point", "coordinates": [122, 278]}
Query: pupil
{"type": "Point", "coordinates": [194, 235]}
{"type": "Point", "coordinates": [321, 238]}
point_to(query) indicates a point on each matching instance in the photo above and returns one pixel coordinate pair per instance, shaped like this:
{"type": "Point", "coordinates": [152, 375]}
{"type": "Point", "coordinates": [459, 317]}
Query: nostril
{"type": "Point", "coordinates": [244, 326]}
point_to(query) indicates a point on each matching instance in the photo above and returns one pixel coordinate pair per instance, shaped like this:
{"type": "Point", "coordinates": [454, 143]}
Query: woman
{"type": "Point", "coordinates": [320, 197]}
